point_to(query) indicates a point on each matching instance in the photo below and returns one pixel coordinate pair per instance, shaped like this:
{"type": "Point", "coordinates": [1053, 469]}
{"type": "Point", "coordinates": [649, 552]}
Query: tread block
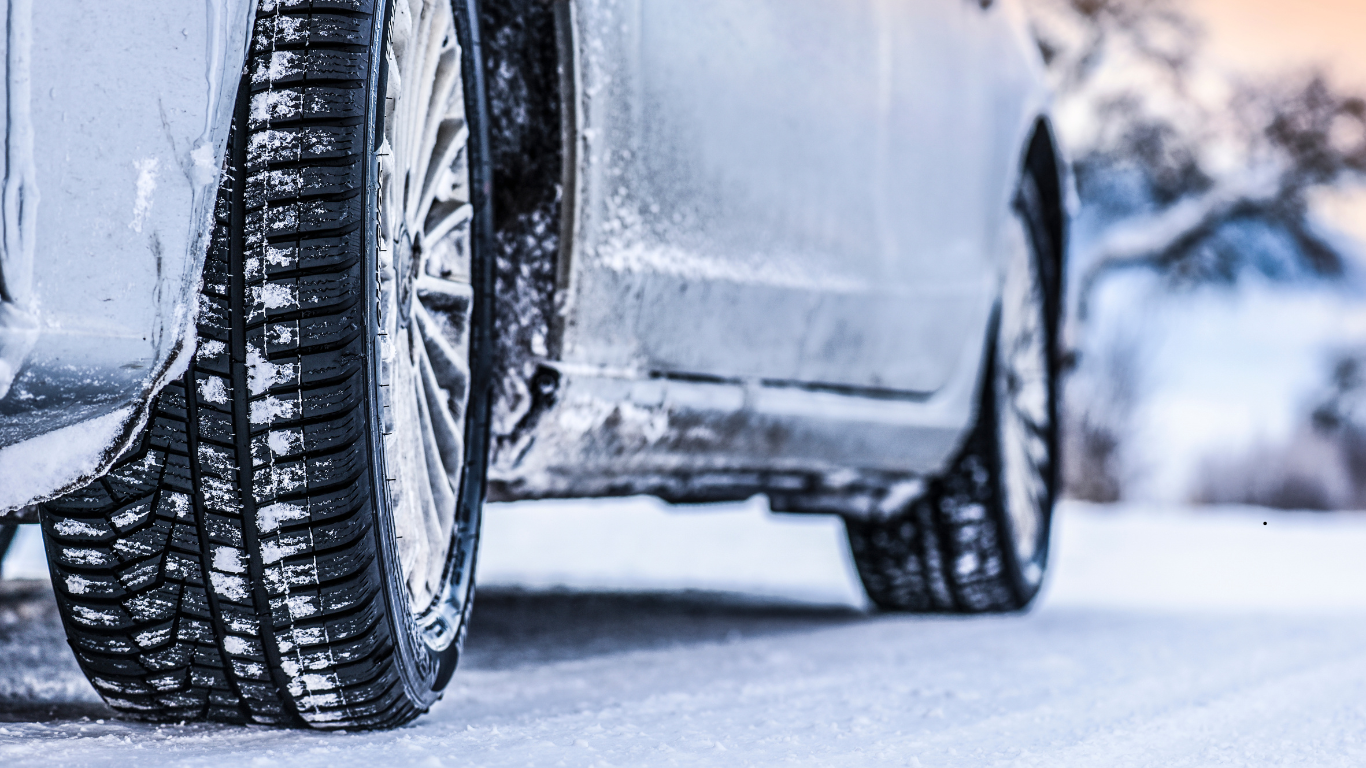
{"type": "Point", "coordinates": [214, 317]}
{"type": "Point", "coordinates": [176, 656]}
{"type": "Point", "coordinates": [78, 557]}
{"type": "Point", "coordinates": [332, 252]}
{"type": "Point", "coordinates": [284, 31]}
{"type": "Point", "coordinates": [89, 586]}
{"type": "Point", "coordinates": [72, 530]}
{"type": "Point", "coordinates": [331, 330]}
{"type": "Point", "coordinates": [92, 616]}
{"type": "Point", "coordinates": [166, 433]}
{"type": "Point", "coordinates": [175, 477]}
{"type": "Point", "coordinates": [289, 220]}
{"type": "Point", "coordinates": [333, 365]}
{"type": "Point", "coordinates": [89, 501]}
{"type": "Point", "coordinates": [282, 408]}
{"type": "Point", "coordinates": [337, 532]}
{"type": "Point", "coordinates": [136, 480]}
{"type": "Point", "coordinates": [211, 356]}
{"type": "Point", "coordinates": [223, 530]}
{"type": "Point", "coordinates": [146, 542]}
{"type": "Point", "coordinates": [281, 338]}
{"type": "Point", "coordinates": [154, 605]}
{"type": "Point", "coordinates": [270, 188]}
{"type": "Point", "coordinates": [142, 575]}
{"type": "Point", "coordinates": [336, 290]}
{"type": "Point", "coordinates": [83, 639]}
{"type": "Point", "coordinates": [129, 518]}
{"type": "Point", "coordinates": [215, 427]}
{"type": "Point", "coordinates": [347, 428]}
{"type": "Point", "coordinates": [314, 102]}
{"type": "Point", "coordinates": [303, 143]}
{"type": "Point", "coordinates": [333, 469]}
{"type": "Point", "coordinates": [290, 66]}
{"type": "Point", "coordinates": [339, 502]}
{"type": "Point", "coordinates": [279, 479]}
{"type": "Point", "coordinates": [171, 402]}
{"type": "Point", "coordinates": [335, 565]}
{"type": "Point", "coordinates": [332, 400]}
{"type": "Point", "coordinates": [213, 389]}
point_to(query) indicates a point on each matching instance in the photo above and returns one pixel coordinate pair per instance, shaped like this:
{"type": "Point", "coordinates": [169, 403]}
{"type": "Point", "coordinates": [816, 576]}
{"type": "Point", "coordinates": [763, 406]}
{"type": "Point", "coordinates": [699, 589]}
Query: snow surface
{"type": "Point", "coordinates": [625, 633]}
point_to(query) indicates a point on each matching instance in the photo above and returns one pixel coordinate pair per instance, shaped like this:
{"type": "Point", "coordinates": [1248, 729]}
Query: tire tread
{"type": "Point", "coordinates": [256, 558]}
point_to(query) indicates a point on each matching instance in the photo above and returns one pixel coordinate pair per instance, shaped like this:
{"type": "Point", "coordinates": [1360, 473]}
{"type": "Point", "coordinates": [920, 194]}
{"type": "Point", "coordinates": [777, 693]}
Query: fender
{"type": "Point", "coordinates": [119, 115]}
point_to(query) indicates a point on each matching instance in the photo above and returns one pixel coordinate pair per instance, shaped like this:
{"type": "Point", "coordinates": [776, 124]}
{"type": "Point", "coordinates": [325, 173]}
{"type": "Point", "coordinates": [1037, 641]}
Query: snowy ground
{"type": "Point", "coordinates": [731, 637]}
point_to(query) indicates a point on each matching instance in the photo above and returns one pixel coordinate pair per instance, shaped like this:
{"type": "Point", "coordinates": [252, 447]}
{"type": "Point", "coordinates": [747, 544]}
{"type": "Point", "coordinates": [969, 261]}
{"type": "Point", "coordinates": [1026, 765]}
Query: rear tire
{"type": "Point", "coordinates": [292, 542]}
{"type": "Point", "coordinates": [977, 539]}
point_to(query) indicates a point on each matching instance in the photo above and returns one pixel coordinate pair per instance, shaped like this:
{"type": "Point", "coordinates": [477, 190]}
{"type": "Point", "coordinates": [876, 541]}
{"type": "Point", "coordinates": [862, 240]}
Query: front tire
{"type": "Point", "coordinates": [293, 540]}
{"type": "Point", "coordinates": [977, 539]}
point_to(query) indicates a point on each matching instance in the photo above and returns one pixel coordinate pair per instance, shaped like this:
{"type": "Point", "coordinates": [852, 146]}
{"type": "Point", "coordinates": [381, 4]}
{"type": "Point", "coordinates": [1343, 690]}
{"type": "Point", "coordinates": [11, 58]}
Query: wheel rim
{"type": "Point", "coordinates": [1023, 417]}
{"type": "Point", "coordinates": [425, 301]}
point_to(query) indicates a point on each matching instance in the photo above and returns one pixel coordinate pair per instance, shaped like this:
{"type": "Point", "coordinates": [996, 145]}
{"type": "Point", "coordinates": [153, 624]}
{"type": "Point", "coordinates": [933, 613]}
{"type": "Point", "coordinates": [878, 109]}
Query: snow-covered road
{"type": "Point", "coordinates": [729, 637]}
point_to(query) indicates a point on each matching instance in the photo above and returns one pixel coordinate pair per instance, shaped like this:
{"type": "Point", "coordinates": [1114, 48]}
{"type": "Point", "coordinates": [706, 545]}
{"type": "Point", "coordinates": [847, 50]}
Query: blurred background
{"type": "Point", "coordinates": [1217, 326]}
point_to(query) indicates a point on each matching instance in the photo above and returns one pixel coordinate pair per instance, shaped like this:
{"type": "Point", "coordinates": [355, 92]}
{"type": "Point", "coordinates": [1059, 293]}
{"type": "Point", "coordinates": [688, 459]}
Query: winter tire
{"type": "Point", "coordinates": [292, 541]}
{"type": "Point", "coordinates": [977, 539]}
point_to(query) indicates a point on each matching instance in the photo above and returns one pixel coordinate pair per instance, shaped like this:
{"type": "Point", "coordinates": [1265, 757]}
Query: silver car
{"type": "Point", "coordinates": [291, 287]}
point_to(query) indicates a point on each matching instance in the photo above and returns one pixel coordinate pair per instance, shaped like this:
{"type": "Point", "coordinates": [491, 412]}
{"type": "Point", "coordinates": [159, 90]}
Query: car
{"type": "Point", "coordinates": [292, 287]}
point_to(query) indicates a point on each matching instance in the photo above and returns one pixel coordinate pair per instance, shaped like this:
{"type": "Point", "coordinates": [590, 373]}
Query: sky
{"type": "Point", "coordinates": [1264, 36]}
{"type": "Point", "coordinates": [1257, 35]}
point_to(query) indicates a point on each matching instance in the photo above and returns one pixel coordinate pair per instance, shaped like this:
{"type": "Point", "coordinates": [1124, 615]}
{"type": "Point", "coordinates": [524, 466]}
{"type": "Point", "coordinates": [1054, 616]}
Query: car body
{"type": "Point", "coordinates": [345, 269]}
{"type": "Point", "coordinates": [775, 262]}
{"type": "Point", "coordinates": [118, 117]}
{"type": "Point", "coordinates": [781, 243]}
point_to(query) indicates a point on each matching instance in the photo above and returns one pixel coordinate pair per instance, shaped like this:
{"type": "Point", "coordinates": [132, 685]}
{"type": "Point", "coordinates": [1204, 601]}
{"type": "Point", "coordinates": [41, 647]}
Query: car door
{"type": "Point", "coordinates": [793, 191]}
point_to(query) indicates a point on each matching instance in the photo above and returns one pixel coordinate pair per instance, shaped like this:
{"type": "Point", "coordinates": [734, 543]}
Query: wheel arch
{"type": "Point", "coordinates": [1044, 162]}
{"type": "Point", "coordinates": [1044, 172]}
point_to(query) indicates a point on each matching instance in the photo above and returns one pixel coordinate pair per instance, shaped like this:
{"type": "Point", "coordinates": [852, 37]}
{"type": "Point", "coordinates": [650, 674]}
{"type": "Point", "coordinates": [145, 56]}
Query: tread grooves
{"type": "Point", "coordinates": [241, 423]}
{"type": "Point", "coordinates": [220, 575]}
{"type": "Point", "coordinates": [205, 556]}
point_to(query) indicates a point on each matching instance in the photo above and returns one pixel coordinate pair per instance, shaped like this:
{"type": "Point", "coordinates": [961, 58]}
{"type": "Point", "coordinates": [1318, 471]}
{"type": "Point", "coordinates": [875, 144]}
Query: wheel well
{"type": "Point", "coordinates": [1043, 163]}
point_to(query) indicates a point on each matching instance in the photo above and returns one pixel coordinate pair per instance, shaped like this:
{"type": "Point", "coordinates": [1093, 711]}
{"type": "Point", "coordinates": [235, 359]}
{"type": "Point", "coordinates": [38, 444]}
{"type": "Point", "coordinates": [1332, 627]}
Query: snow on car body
{"type": "Point", "coordinates": [117, 116]}
{"type": "Point", "coordinates": [783, 239]}
{"type": "Point", "coordinates": [701, 250]}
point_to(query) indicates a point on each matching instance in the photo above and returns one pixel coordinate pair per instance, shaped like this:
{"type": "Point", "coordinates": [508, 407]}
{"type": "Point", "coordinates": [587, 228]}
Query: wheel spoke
{"type": "Point", "coordinates": [437, 153]}
{"type": "Point", "coordinates": [446, 359]}
{"type": "Point", "coordinates": [447, 216]}
{"type": "Point", "coordinates": [443, 432]}
{"type": "Point", "coordinates": [425, 308]}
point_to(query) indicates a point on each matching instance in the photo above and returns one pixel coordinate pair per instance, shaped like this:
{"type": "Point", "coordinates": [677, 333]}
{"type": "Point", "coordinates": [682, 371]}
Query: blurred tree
{"type": "Point", "coordinates": [1169, 157]}
{"type": "Point", "coordinates": [1321, 465]}
{"type": "Point", "coordinates": [1185, 173]}
{"type": "Point", "coordinates": [1341, 417]}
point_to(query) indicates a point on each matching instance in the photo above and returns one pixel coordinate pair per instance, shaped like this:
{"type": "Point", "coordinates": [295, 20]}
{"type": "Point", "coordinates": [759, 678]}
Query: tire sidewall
{"type": "Point", "coordinates": [1030, 219]}
{"type": "Point", "coordinates": [423, 669]}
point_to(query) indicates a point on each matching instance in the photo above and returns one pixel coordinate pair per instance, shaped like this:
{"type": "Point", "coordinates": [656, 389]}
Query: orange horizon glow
{"type": "Point", "coordinates": [1260, 36]}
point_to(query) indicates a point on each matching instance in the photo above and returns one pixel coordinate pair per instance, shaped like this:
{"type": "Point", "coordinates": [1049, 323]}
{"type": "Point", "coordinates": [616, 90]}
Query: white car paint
{"type": "Point", "coordinates": [119, 113]}
{"type": "Point", "coordinates": [783, 218]}
{"type": "Point", "coordinates": [785, 242]}
{"type": "Point", "coordinates": [793, 190]}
